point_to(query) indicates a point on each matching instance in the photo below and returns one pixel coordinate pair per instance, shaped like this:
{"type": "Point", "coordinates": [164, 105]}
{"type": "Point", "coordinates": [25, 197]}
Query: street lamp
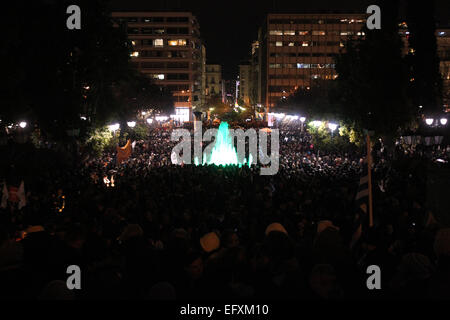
{"type": "Point", "coordinates": [131, 124]}
{"type": "Point", "coordinates": [429, 121]}
{"type": "Point", "coordinates": [443, 121]}
{"type": "Point", "coordinates": [22, 124]}
{"type": "Point", "coordinates": [114, 127]}
{"type": "Point", "coordinates": [303, 119]}
{"type": "Point", "coordinates": [332, 126]}
{"type": "Point", "coordinates": [149, 121]}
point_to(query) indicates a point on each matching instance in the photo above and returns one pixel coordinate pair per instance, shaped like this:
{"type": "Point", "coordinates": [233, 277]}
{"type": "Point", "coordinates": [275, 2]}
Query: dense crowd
{"type": "Point", "coordinates": [147, 228]}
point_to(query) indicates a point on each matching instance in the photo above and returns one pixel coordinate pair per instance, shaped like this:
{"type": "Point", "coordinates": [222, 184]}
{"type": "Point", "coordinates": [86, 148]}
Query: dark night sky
{"type": "Point", "coordinates": [228, 27]}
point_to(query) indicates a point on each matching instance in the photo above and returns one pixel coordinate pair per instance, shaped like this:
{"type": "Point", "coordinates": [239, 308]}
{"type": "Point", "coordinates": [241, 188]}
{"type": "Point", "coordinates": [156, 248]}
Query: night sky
{"type": "Point", "coordinates": [228, 27]}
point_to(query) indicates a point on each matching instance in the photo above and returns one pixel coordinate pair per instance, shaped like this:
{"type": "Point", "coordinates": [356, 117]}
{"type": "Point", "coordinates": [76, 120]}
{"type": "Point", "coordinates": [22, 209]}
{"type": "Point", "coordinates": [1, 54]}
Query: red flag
{"type": "Point", "coordinates": [123, 153]}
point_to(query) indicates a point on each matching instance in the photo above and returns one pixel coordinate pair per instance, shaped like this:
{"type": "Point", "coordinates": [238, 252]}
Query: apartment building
{"type": "Point", "coordinates": [245, 77]}
{"type": "Point", "coordinates": [443, 50]}
{"type": "Point", "coordinates": [296, 50]}
{"type": "Point", "coordinates": [168, 48]}
{"type": "Point", "coordinates": [255, 74]}
{"type": "Point", "coordinates": [213, 80]}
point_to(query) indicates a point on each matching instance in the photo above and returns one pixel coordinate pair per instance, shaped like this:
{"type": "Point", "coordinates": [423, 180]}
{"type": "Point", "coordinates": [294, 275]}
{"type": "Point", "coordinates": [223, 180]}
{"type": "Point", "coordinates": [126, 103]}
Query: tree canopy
{"type": "Point", "coordinates": [55, 75]}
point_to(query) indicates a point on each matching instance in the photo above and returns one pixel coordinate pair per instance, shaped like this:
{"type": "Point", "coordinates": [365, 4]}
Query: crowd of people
{"type": "Point", "coordinates": [147, 228]}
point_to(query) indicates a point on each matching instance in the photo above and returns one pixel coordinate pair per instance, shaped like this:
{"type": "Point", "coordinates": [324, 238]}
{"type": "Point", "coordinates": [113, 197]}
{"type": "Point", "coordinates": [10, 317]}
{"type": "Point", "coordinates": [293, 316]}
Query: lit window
{"type": "Point", "coordinates": [318, 33]}
{"type": "Point", "coordinates": [177, 42]}
{"type": "Point", "coordinates": [133, 42]}
{"type": "Point", "coordinates": [361, 33]}
{"type": "Point", "coordinates": [346, 33]}
{"type": "Point", "coordinates": [278, 44]}
{"type": "Point", "coordinates": [158, 42]}
{"type": "Point", "coordinates": [158, 76]}
{"type": "Point", "coordinates": [305, 44]}
{"type": "Point", "coordinates": [276, 33]}
{"type": "Point", "coordinates": [289, 33]}
{"type": "Point", "coordinates": [341, 44]}
{"type": "Point", "coordinates": [290, 44]}
{"type": "Point", "coordinates": [303, 33]}
{"type": "Point", "coordinates": [134, 54]}
{"type": "Point", "coordinates": [303, 65]}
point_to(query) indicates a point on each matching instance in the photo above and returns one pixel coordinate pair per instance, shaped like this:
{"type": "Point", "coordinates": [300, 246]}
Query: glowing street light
{"type": "Point", "coordinates": [149, 121]}
{"type": "Point", "coordinates": [332, 126]}
{"type": "Point", "coordinates": [23, 124]}
{"type": "Point", "coordinates": [443, 121]}
{"type": "Point", "coordinates": [302, 119]}
{"type": "Point", "coordinates": [429, 121]}
{"type": "Point", "coordinates": [114, 127]}
{"type": "Point", "coordinates": [131, 124]}
{"type": "Point", "coordinates": [316, 123]}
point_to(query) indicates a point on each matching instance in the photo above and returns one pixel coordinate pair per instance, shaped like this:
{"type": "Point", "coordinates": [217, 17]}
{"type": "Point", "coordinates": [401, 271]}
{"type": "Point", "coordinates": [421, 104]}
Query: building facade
{"type": "Point", "coordinates": [213, 80]}
{"type": "Point", "coordinates": [255, 74]}
{"type": "Point", "coordinates": [245, 78]}
{"type": "Point", "coordinates": [168, 48]}
{"type": "Point", "coordinates": [295, 50]}
{"type": "Point", "coordinates": [443, 50]}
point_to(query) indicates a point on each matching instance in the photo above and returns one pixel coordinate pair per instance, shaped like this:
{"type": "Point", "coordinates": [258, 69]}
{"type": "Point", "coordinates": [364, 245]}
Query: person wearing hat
{"type": "Point", "coordinates": [275, 227]}
{"type": "Point", "coordinates": [324, 224]}
{"type": "Point", "coordinates": [210, 242]}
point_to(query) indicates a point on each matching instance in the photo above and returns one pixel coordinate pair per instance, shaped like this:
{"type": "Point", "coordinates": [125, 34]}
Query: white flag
{"type": "Point", "coordinates": [174, 158]}
{"type": "Point", "coordinates": [21, 195]}
{"type": "Point", "coordinates": [5, 196]}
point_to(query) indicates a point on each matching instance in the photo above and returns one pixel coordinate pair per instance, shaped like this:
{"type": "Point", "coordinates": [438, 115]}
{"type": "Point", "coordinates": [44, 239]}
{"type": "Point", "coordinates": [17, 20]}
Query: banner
{"type": "Point", "coordinates": [123, 153]}
{"type": "Point", "coordinates": [14, 195]}
{"type": "Point", "coordinates": [5, 196]}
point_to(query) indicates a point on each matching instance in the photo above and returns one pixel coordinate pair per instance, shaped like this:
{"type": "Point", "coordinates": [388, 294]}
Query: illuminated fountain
{"type": "Point", "coordinates": [223, 153]}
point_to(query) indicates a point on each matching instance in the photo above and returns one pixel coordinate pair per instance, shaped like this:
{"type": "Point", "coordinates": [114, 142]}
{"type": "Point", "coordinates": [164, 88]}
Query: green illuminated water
{"type": "Point", "coordinates": [223, 153]}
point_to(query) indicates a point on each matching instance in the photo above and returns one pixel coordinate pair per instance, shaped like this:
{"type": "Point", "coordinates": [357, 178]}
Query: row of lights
{"type": "Point", "coordinates": [430, 121]}
{"type": "Point", "coordinates": [288, 117]}
{"type": "Point", "coordinates": [132, 124]}
{"type": "Point", "coordinates": [317, 123]}
{"type": "Point", "coordinates": [21, 124]}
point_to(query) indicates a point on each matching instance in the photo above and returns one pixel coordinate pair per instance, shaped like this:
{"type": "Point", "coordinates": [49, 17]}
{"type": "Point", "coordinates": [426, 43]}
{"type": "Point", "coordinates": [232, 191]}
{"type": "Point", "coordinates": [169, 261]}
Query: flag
{"type": "Point", "coordinates": [21, 195]}
{"type": "Point", "coordinates": [5, 196]}
{"type": "Point", "coordinates": [123, 153]}
{"type": "Point", "coordinates": [362, 195]}
{"type": "Point", "coordinates": [360, 220]}
{"type": "Point", "coordinates": [363, 219]}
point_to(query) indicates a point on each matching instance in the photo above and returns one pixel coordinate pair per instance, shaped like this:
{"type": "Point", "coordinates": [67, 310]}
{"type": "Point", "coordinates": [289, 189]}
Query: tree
{"type": "Point", "coordinates": [54, 74]}
{"type": "Point", "coordinates": [372, 82]}
{"type": "Point", "coordinates": [311, 102]}
{"type": "Point", "coordinates": [426, 84]}
{"type": "Point", "coordinates": [135, 93]}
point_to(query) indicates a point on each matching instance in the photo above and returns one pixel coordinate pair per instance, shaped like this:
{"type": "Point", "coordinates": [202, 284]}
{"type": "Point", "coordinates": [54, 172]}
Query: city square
{"type": "Point", "coordinates": [169, 151]}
